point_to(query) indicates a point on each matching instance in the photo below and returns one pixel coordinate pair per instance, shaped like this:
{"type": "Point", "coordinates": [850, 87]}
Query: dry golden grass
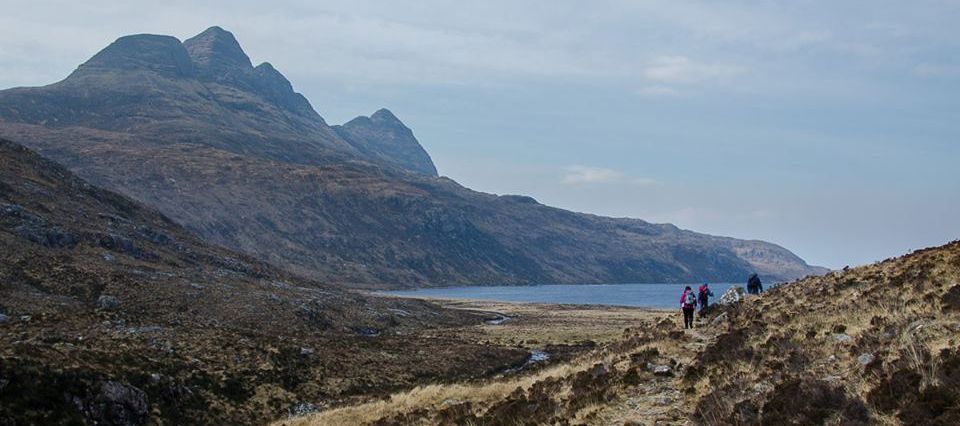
{"type": "Point", "coordinates": [798, 341]}
{"type": "Point", "coordinates": [532, 325]}
{"type": "Point", "coordinates": [434, 396]}
{"type": "Point", "coordinates": [889, 312]}
{"type": "Point", "coordinates": [536, 325]}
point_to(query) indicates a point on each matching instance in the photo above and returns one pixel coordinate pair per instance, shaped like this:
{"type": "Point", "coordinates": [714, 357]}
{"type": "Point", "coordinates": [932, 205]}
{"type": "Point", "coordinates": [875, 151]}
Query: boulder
{"type": "Point", "coordinates": [733, 295]}
{"type": "Point", "coordinates": [116, 404]}
{"type": "Point", "coordinates": [662, 370]}
{"type": "Point", "coordinates": [4, 318]}
{"type": "Point", "coordinates": [762, 387]}
{"type": "Point", "coordinates": [842, 338]}
{"type": "Point", "coordinates": [366, 331]}
{"type": "Point", "coordinates": [108, 303]}
{"type": "Point", "coordinates": [302, 409]}
{"type": "Point", "coordinates": [47, 236]}
{"type": "Point", "coordinates": [118, 243]}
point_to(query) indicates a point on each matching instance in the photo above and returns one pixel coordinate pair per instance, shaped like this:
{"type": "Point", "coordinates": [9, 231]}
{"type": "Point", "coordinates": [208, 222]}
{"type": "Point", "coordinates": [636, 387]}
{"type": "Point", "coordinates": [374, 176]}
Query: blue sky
{"type": "Point", "coordinates": [828, 127]}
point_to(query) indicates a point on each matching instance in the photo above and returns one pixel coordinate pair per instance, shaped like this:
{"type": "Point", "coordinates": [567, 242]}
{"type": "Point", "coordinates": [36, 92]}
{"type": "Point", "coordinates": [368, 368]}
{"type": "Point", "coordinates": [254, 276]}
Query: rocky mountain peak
{"type": "Point", "coordinates": [272, 85]}
{"type": "Point", "coordinates": [384, 116]}
{"type": "Point", "coordinates": [216, 53]}
{"type": "Point", "coordinates": [158, 53]}
{"type": "Point", "coordinates": [233, 138]}
{"type": "Point", "coordinates": [269, 76]}
{"type": "Point", "coordinates": [383, 136]}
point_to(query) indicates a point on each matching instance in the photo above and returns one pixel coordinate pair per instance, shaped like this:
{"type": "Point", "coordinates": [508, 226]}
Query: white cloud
{"type": "Point", "coordinates": [799, 40]}
{"type": "Point", "coordinates": [659, 90]}
{"type": "Point", "coordinates": [586, 175]}
{"type": "Point", "coordinates": [683, 70]}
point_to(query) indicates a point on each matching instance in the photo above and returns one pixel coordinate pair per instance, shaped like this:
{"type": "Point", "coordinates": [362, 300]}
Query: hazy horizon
{"type": "Point", "coordinates": [828, 129]}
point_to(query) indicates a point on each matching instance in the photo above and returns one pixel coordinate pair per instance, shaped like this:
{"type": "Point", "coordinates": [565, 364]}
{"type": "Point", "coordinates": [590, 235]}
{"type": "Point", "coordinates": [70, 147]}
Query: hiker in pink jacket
{"type": "Point", "coordinates": [688, 304]}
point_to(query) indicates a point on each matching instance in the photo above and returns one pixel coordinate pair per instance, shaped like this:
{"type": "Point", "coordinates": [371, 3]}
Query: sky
{"type": "Point", "coordinates": [829, 127]}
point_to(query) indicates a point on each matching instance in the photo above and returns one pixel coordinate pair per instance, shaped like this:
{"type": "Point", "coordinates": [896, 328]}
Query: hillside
{"type": "Point", "coordinates": [231, 152]}
{"type": "Point", "coordinates": [872, 345]}
{"type": "Point", "coordinates": [112, 314]}
{"type": "Point", "coordinates": [875, 344]}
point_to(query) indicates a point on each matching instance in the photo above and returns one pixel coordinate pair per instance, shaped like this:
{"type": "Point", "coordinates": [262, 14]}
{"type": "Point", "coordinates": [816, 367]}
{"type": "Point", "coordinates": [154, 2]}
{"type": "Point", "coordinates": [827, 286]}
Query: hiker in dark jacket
{"type": "Point", "coordinates": [754, 286]}
{"type": "Point", "coordinates": [704, 298]}
{"type": "Point", "coordinates": [688, 304]}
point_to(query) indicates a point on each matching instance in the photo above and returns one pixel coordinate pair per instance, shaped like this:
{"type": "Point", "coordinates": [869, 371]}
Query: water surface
{"type": "Point", "coordinates": [642, 295]}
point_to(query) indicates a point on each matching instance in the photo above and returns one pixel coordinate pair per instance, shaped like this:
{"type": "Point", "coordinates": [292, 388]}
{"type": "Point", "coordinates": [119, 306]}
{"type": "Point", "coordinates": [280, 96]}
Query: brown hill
{"type": "Point", "coordinates": [873, 345]}
{"type": "Point", "coordinates": [112, 314]}
{"type": "Point", "coordinates": [231, 152]}
{"type": "Point", "coordinates": [878, 344]}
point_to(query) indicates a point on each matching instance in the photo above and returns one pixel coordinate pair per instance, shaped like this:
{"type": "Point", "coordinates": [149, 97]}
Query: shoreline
{"type": "Point", "coordinates": [454, 301]}
{"type": "Point", "coordinates": [573, 339]}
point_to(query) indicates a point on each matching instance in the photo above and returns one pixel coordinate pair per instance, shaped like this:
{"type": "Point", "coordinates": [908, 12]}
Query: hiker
{"type": "Point", "coordinates": [688, 303]}
{"type": "Point", "coordinates": [754, 286]}
{"type": "Point", "coordinates": [704, 297]}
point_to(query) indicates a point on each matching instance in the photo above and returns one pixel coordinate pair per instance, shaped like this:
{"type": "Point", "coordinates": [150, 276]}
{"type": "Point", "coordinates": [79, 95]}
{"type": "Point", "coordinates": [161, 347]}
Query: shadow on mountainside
{"type": "Point", "coordinates": [112, 314]}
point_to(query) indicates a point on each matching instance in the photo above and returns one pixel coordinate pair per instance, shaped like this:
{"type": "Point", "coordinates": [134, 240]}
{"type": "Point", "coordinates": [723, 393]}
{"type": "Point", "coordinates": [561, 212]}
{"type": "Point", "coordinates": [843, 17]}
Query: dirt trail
{"type": "Point", "coordinates": [592, 349]}
{"type": "Point", "coordinates": [611, 380]}
{"type": "Point", "coordinates": [891, 358]}
{"type": "Point", "coordinates": [660, 400]}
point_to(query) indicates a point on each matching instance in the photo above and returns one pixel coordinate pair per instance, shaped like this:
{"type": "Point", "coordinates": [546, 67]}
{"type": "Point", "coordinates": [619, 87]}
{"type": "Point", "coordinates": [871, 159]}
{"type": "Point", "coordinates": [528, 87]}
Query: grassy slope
{"type": "Point", "coordinates": [872, 345]}
{"type": "Point", "coordinates": [876, 344]}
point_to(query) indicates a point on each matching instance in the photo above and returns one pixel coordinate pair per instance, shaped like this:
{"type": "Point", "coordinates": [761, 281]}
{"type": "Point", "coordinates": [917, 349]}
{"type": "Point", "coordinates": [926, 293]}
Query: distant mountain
{"type": "Point", "coordinates": [382, 136]}
{"type": "Point", "coordinates": [234, 154]}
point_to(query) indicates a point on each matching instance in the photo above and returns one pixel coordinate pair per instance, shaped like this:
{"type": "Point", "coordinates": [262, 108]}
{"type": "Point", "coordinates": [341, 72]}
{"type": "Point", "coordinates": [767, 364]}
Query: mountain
{"type": "Point", "coordinates": [235, 155]}
{"type": "Point", "coordinates": [384, 137]}
{"type": "Point", "coordinates": [112, 314]}
{"type": "Point", "coordinates": [154, 88]}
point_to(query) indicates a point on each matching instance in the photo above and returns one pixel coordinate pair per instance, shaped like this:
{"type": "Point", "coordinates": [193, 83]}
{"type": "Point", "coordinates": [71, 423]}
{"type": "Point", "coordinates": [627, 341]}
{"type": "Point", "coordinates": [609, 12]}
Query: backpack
{"type": "Point", "coordinates": [691, 299]}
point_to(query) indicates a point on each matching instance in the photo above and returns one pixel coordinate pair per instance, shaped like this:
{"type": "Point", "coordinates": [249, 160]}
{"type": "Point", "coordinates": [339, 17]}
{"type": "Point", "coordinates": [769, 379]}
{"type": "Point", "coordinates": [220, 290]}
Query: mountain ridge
{"type": "Point", "coordinates": [242, 160]}
{"type": "Point", "coordinates": [382, 135]}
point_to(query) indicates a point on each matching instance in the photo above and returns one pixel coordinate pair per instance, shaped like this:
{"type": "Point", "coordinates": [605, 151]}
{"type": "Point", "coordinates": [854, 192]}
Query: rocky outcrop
{"type": "Point", "coordinates": [163, 55]}
{"type": "Point", "coordinates": [733, 295]}
{"type": "Point", "coordinates": [116, 404]}
{"type": "Point", "coordinates": [384, 137]}
{"type": "Point", "coordinates": [217, 56]}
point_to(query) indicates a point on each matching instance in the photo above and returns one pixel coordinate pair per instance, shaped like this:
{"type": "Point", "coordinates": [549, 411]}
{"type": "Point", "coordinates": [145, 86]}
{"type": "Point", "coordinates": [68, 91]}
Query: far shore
{"type": "Point", "coordinates": [470, 303]}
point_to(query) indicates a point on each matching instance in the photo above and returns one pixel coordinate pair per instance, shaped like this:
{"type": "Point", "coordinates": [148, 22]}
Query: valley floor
{"type": "Point", "coordinates": [605, 365]}
{"type": "Point", "coordinates": [878, 344]}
